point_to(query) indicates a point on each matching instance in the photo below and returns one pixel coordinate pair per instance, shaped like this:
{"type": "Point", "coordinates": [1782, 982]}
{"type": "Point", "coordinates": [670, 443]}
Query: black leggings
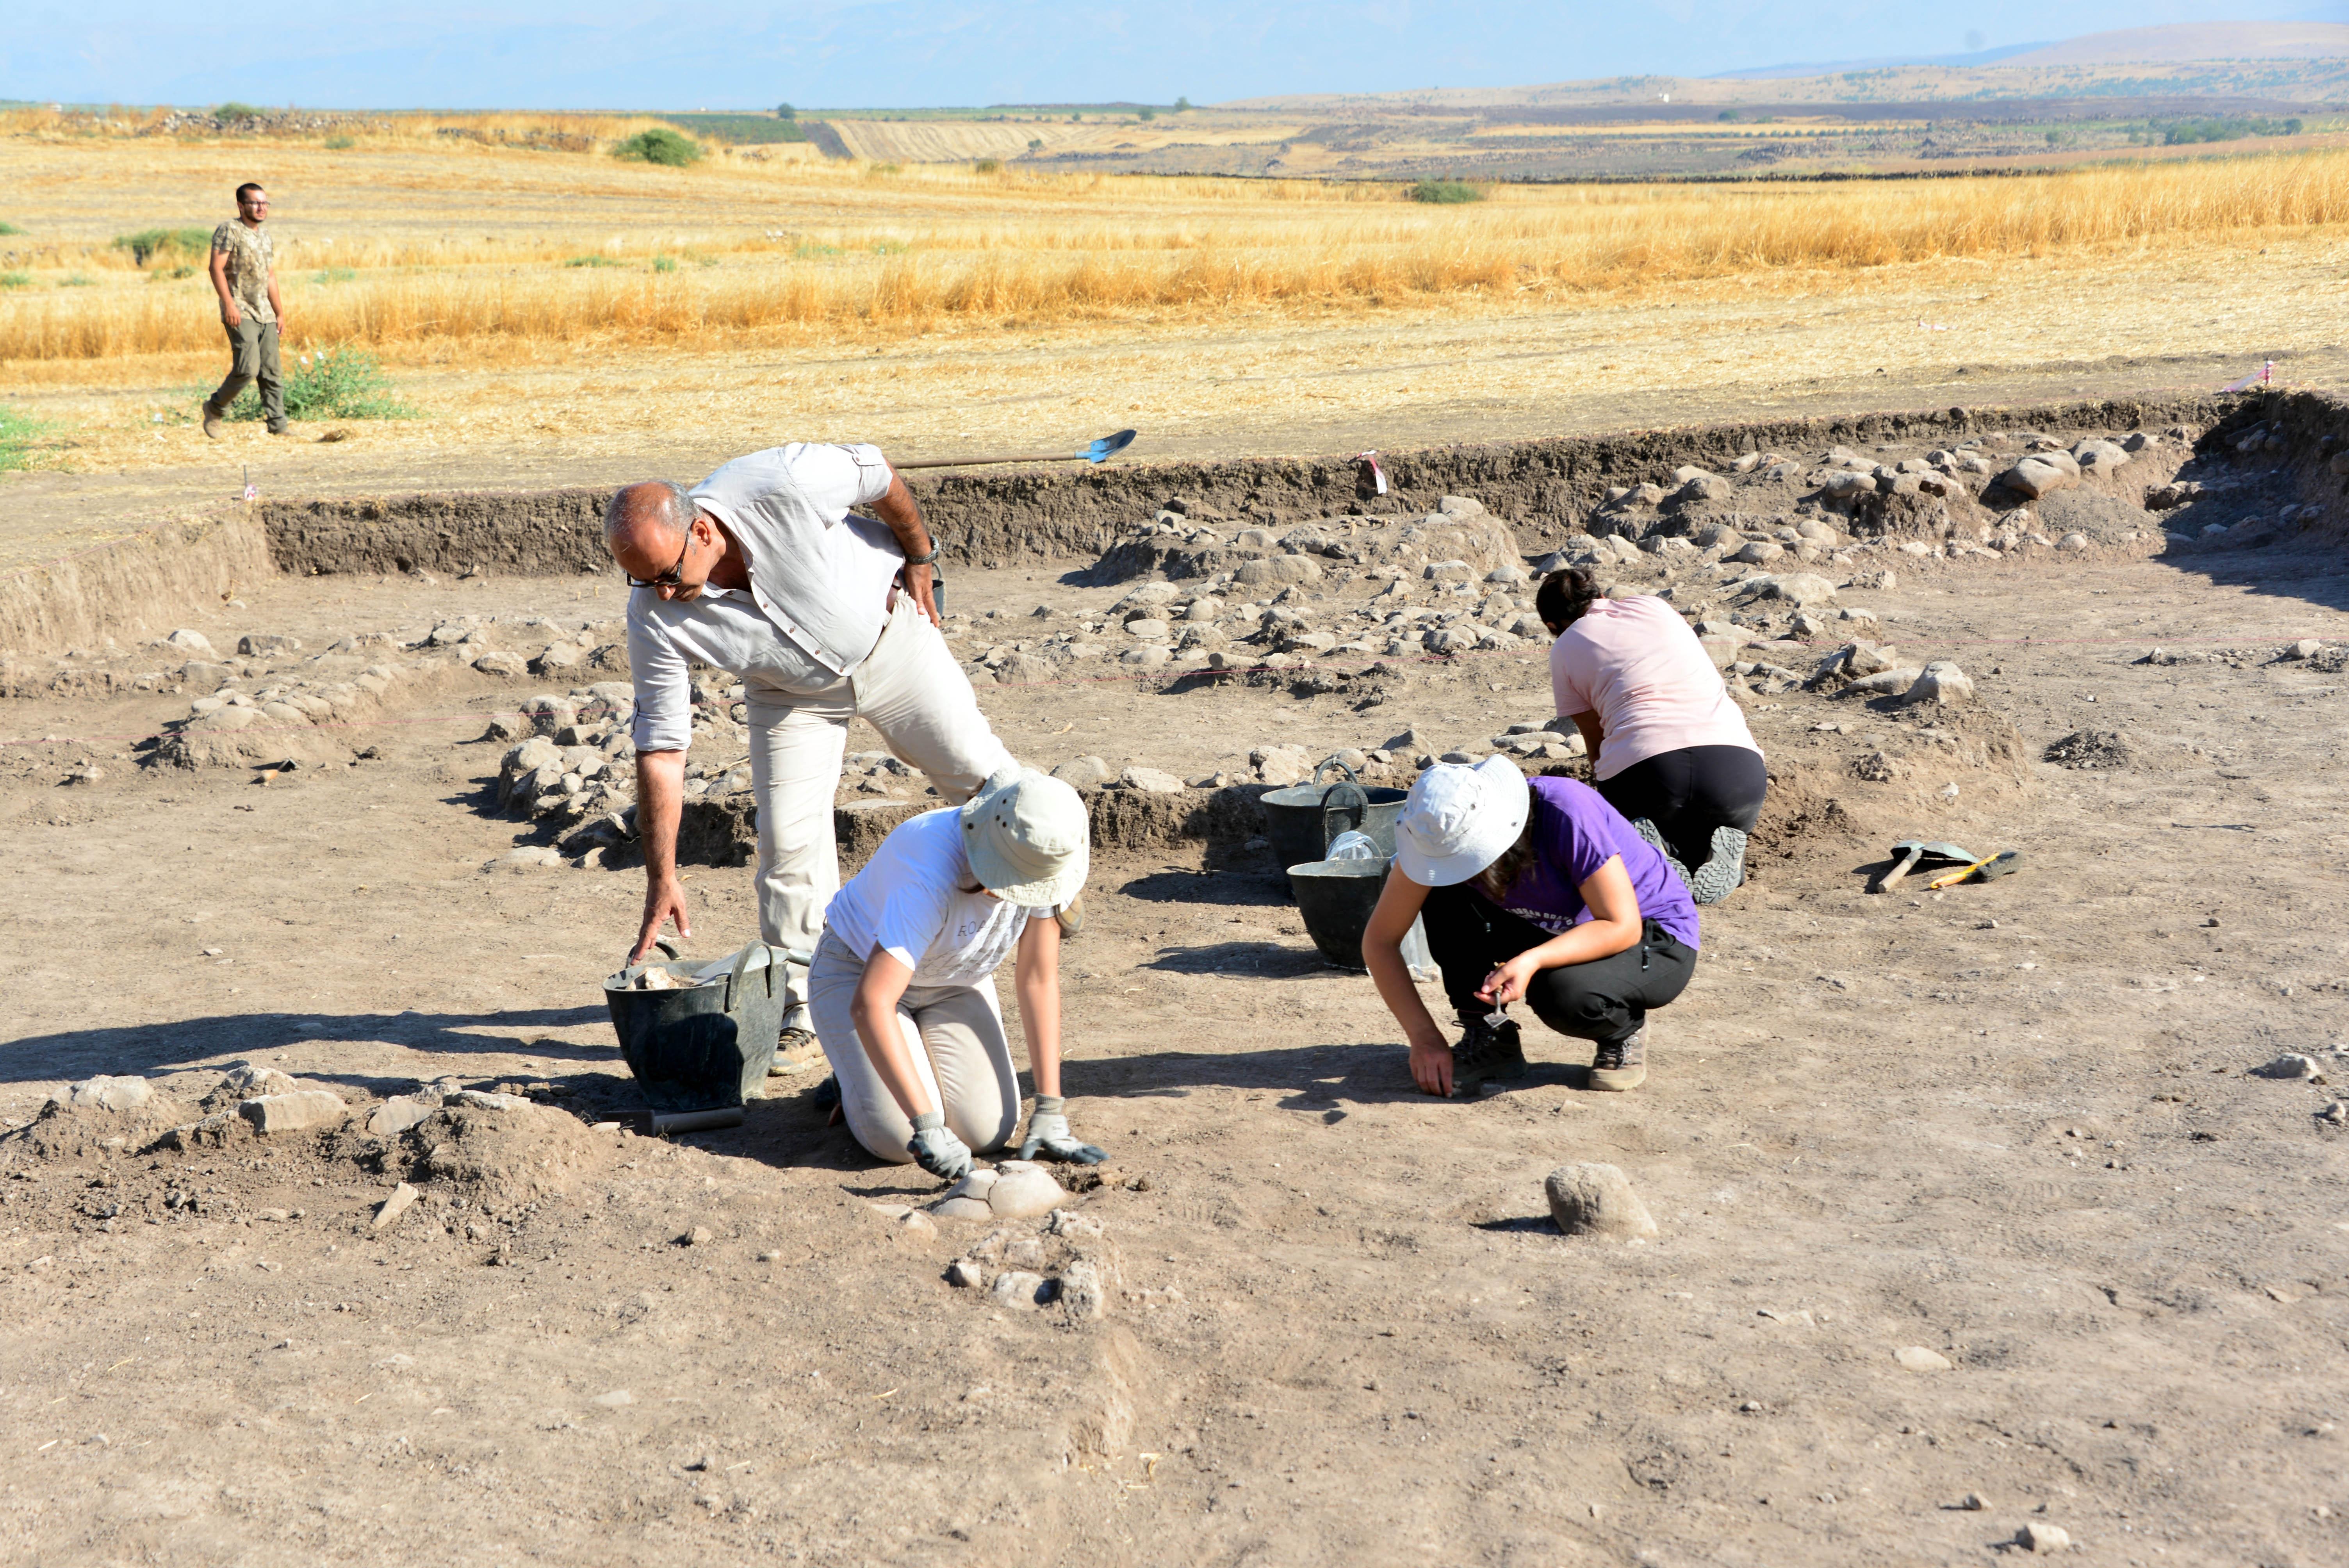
{"type": "Point", "coordinates": [1605, 1000]}
{"type": "Point", "coordinates": [1690, 792]}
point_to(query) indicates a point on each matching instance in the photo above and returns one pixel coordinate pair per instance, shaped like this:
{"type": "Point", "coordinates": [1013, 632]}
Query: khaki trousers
{"type": "Point", "coordinates": [253, 357]}
{"type": "Point", "coordinates": [954, 1035]}
{"type": "Point", "coordinates": [912, 692]}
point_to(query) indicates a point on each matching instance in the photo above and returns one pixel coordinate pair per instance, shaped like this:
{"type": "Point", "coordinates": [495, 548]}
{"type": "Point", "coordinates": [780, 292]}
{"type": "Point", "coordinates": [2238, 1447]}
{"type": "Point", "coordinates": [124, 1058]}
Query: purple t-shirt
{"type": "Point", "coordinates": [1576, 831]}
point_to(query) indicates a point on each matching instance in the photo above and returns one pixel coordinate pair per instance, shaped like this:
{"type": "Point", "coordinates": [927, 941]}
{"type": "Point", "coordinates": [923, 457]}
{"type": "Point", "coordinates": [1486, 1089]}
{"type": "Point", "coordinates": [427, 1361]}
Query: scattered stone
{"type": "Point", "coordinates": [1591, 1198]}
{"type": "Point", "coordinates": [2041, 474]}
{"type": "Point", "coordinates": [967, 1273]}
{"type": "Point", "coordinates": [297, 1113]}
{"type": "Point", "coordinates": [1972, 1503]}
{"type": "Point", "coordinates": [1759, 552]}
{"type": "Point", "coordinates": [403, 1198]}
{"type": "Point", "coordinates": [1080, 1293]}
{"type": "Point", "coordinates": [2292, 1067]}
{"type": "Point", "coordinates": [698, 1236]}
{"type": "Point", "coordinates": [914, 1225]}
{"type": "Point", "coordinates": [1084, 772]}
{"type": "Point", "coordinates": [617, 1399]}
{"type": "Point", "coordinates": [2044, 1538]}
{"type": "Point", "coordinates": [189, 641]}
{"type": "Point", "coordinates": [1941, 682]}
{"type": "Point", "coordinates": [2089, 749]}
{"type": "Point", "coordinates": [1917, 1358]}
{"type": "Point", "coordinates": [105, 1093]}
{"type": "Point", "coordinates": [1892, 683]}
{"type": "Point", "coordinates": [396, 1116]}
{"type": "Point", "coordinates": [2074, 540]}
{"type": "Point", "coordinates": [505, 667]}
{"type": "Point", "coordinates": [1019, 1289]}
{"type": "Point", "coordinates": [262, 643]}
{"type": "Point", "coordinates": [483, 1100]}
{"type": "Point", "coordinates": [1800, 588]}
{"type": "Point", "coordinates": [1023, 1189]}
{"type": "Point", "coordinates": [1150, 656]}
{"type": "Point", "coordinates": [1151, 781]}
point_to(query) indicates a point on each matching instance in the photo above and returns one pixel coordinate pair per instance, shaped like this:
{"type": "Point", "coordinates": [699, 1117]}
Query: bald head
{"type": "Point", "coordinates": [647, 521]}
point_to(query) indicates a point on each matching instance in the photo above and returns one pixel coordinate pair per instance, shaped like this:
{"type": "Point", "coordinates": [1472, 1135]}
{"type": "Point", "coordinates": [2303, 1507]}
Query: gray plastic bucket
{"type": "Point", "coordinates": [1335, 898]}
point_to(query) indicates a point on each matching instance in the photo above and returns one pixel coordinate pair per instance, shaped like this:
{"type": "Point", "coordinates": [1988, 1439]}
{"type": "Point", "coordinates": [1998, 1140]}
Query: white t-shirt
{"type": "Point", "coordinates": [908, 901]}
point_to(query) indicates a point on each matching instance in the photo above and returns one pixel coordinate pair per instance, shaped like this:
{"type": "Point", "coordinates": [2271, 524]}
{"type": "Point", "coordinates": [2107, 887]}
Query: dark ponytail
{"type": "Point", "coordinates": [1564, 596]}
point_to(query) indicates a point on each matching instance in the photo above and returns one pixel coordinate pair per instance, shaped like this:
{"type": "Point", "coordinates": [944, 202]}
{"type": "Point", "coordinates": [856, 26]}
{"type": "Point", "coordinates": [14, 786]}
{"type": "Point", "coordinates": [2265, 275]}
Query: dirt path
{"type": "Point", "coordinates": [2010, 1125]}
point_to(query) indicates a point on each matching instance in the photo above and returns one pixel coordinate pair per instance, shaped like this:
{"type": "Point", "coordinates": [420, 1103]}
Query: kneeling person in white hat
{"type": "Point", "coordinates": [1537, 893]}
{"type": "Point", "coordinates": [901, 988]}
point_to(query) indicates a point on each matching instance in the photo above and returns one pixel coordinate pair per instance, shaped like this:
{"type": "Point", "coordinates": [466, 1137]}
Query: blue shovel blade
{"type": "Point", "coordinates": [1095, 451]}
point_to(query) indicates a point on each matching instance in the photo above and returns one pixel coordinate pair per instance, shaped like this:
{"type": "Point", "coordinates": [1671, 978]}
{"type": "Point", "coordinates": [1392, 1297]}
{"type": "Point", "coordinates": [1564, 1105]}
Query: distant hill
{"type": "Point", "coordinates": [2189, 41]}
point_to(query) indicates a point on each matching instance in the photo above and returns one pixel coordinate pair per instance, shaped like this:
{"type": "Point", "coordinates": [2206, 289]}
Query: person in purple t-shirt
{"type": "Point", "coordinates": [1539, 892]}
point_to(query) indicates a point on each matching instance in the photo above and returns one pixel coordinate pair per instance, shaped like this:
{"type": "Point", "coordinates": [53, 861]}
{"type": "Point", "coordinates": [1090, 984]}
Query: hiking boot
{"type": "Point", "coordinates": [279, 428]}
{"type": "Point", "coordinates": [1655, 841]}
{"type": "Point", "coordinates": [1621, 1064]}
{"type": "Point", "coordinates": [1487, 1050]}
{"type": "Point", "coordinates": [793, 1050]}
{"type": "Point", "coordinates": [1072, 918]}
{"type": "Point", "coordinates": [1724, 872]}
{"type": "Point", "coordinates": [212, 422]}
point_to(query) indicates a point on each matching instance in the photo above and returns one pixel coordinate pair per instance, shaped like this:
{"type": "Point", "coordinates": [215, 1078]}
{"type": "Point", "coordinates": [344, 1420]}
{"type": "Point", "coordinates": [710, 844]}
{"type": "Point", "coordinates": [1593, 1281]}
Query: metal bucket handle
{"type": "Point", "coordinates": [1332, 761]}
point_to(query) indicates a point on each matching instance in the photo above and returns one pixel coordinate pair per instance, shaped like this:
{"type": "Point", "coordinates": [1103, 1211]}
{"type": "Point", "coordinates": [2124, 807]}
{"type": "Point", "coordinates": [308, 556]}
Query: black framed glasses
{"type": "Point", "coordinates": [671, 578]}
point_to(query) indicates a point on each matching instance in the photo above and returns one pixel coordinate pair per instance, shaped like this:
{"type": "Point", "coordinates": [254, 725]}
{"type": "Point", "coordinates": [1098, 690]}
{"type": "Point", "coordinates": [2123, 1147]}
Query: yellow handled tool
{"type": "Point", "coordinates": [1996, 866]}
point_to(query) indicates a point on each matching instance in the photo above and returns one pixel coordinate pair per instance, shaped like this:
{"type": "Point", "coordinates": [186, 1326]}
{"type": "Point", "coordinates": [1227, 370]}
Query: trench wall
{"type": "Point", "coordinates": [137, 586]}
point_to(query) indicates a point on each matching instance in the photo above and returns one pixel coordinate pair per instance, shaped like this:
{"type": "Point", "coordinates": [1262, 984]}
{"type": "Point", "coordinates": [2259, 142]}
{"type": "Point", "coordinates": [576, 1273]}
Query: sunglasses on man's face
{"type": "Point", "coordinates": [671, 578]}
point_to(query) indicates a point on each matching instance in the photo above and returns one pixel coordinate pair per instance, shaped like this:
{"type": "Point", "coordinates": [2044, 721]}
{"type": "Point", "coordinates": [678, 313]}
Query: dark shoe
{"type": "Point", "coordinates": [212, 422]}
{"type": "Point", "coordinates": [280, 428]}
{"type": "Point", "coordinates": [1072, 918]}
{"type": "Point", "coordinates": [1622, 1064]}
{"type": "Point", "coordinates": [1487, 1050]}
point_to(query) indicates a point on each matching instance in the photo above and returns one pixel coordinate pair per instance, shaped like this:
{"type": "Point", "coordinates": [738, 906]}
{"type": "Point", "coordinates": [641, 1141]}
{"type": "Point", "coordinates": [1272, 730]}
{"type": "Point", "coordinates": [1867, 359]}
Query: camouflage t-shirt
{"type": "Point", "coordinates": [250, 257]}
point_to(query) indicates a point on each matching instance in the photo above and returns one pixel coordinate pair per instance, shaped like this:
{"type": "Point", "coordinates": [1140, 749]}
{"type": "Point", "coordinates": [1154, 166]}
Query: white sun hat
{"type": "Point", "coordinates": [1459, 820]}
{"type": "Point", "coordinates": [1027, 839]}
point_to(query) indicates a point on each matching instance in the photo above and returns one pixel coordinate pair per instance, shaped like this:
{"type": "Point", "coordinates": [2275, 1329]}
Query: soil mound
{"type": "Point", "coordinates": [505, 1158]}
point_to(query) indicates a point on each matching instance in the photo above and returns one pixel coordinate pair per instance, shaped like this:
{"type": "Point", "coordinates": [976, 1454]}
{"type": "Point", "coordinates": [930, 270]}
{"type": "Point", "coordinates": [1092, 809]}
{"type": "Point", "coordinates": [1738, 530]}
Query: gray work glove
{"type": "Point", "coordinates": [1049, 1135]}
{"type": "Point", "coordinates": [937, 1150]}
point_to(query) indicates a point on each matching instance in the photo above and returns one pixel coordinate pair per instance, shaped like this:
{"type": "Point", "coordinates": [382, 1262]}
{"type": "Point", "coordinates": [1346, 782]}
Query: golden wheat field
{"type": "Point", "coordinates": [547, 299]}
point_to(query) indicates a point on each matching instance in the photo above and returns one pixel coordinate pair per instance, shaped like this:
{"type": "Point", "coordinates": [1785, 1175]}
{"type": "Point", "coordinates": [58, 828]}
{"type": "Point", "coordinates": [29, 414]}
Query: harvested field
{"type": "Point", "coordinates": [1988, 1194]}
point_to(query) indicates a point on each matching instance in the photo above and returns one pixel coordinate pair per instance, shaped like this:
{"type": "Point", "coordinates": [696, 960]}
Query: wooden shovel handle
{"type": "Point", "coordinates": [1892, 878]}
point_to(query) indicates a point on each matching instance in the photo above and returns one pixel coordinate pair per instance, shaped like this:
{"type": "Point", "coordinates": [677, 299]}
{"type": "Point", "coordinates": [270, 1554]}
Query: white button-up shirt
{"type": "Point", "coordinates": [819, 589]}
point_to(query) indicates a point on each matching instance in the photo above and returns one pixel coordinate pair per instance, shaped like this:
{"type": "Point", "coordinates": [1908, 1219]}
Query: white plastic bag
{"type": "Point", "coordinates": [1357, 846]}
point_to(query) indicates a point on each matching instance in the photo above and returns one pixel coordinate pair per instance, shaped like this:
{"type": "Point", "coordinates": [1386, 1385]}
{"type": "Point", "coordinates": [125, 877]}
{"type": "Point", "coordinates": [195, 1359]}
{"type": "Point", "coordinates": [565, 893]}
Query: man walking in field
{"type": "Point", "coordinates": [245, 275]}
{"type": "Point", "coordinates": [761, 571]}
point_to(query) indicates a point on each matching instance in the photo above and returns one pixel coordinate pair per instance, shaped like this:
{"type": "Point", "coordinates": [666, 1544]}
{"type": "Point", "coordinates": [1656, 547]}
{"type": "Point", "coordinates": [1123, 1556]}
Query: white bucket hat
{"type": "Point", "coordinates": [1027, 839]}
{"type": "Point", "coordinates": [1459, 820]}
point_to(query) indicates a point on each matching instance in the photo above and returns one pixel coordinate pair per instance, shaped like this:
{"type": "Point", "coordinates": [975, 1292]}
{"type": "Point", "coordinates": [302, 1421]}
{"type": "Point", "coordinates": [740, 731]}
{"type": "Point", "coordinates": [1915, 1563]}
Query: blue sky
{"type": "Point", "coordinates": [596, 54]}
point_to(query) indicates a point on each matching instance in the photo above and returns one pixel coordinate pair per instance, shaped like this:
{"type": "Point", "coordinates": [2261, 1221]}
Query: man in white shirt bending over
{"type": "Point", "coordinates": [761, 571]}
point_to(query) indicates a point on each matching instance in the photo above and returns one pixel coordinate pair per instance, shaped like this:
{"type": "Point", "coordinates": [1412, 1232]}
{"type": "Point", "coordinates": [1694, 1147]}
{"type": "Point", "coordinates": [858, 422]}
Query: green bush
{"type": "Point", "coordinates": [334, 276]}
{"type": "Point", "coordinates": [341, 143]}
{"type": "Point", "coordinates": [590, 261]}
{"type": "Point", "coordinates": [664, 265]}
{"type": "Point", "coordinates": [76, 281]}
{"type": "Point", "coordinates": [660, 145]}
{"type": "Point", "coordinates": [333, 383]}
{"type": "Point", "coordinates": [235, 111]}
{"type": "Point", "coordinates": [1445, 192]}
{"type": "Point", "coordinates": [7, 228]}
{"type": "Point", "coordinates": [15, 280]}
{"type": "Point", "coordinates": [148, 243]}
{"type": "Point", "coordinates": [19, 438]}
{"type": "Point", "coordinates": [987, 166]}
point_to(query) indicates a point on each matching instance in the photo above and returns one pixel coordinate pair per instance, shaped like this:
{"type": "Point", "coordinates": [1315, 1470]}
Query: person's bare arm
{"type": "Point", "coordinates": [1593, 736]}
{"type": "Point", "coordinates": [1614, 925]}
{"type": "Point", "coordinates": [230, 315]}
{"type": "Point", "coordinates": [1399, 904]}
{"type": "Point", "coordinates": [661, 802]}
{"type": "Point", "coordinates": [896, 508]}
{"type": "Point", "coordinates": [1037, 980]}
{"type": "Point", "coordinates": [874, 1009]}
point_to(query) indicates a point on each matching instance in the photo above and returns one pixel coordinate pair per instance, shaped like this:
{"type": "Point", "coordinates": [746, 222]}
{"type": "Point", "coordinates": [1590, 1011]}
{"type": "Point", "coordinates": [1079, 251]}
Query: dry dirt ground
{"type": "Point", "coordinates": [2010, 1124]}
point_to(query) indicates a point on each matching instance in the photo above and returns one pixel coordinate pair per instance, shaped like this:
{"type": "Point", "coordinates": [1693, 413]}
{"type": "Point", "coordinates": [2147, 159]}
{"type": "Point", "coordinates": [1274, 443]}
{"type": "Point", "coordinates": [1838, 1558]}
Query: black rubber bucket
{"type": "Point", "coordinates": [1301, 819]}
{"type": "Point", "coordinates": [1335, 898]}
{"type": "Point", "coordinates": [701, 1052]}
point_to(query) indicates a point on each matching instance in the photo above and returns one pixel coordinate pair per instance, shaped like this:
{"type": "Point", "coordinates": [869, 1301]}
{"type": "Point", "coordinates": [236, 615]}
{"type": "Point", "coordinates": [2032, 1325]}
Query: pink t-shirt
{"type": "Point", "coordinates": [1637, 666]}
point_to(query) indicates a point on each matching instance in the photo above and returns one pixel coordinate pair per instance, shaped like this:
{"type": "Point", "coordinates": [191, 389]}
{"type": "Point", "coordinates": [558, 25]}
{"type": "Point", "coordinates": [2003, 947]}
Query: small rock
{"type": "Point", "coordinates": [967, 1273]}
{"type": "Point", "coordinates": [295, 1112]}
{"type": "Point", "coordinates": [483, 1100]}
{"type": "Point", "coordinates": [394, 1117]}
{"type": "Point", "coordinates": [1081, 1292]}
{"type": "Point", "coordinates": [105, 1093]}
{"type": "Point", "coordinates": [614, 1400]}
{"type": "Point", "coordinates": [2306, 648]}
{"type": "Point", "coordinates": [2044, 1538]}
{"type": "Point", "coordinates": [1084, 772]}
{"type": "Point", "coordinates": [403, 1198]}
{"type": "Point", "coordinates": [1023, 1189]}
{"type": "Point", "coordinates": [191, 642]}
{"type": "Point", "coordinates": [698, 1236]}
{"type": "Point", "coordinates": [1941, 682]}
{"type": "Point", "coordinates": [505, 667]}
{"type": "Point", "coordinates": [1024, 1253]}
{"type": "Point", "coordinates": [260, 643]}
{"type": "Point", "coordinates": [2074, 540]}
{"type": "Point", "coordinates": [1972, 1503]}
{"type": "Point", "coordinates": [1149, 655]}
{"type": "Point", "coordinates": [914, 1225]}
{"type": "Point", "coordinates": [2290, 1065]}
{"type": "Point", "coordinates": [1760, 553]}
{"type": "Point", "coordinates": [1917, 1358]}
{"type": "Point", "coordinates": [1151, 781]}
{"type": "Point", "coordinates": [1592, 1199]}
{"type": "Point", "coordinates": [1020, 1289]}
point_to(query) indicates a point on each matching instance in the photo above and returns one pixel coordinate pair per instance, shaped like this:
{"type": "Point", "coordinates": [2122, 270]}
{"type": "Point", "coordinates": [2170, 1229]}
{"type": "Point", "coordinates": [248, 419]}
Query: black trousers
{"type": "Point", "coordinates": [1690, 792]}
{"type": "Point", "coordinates": [1605, 1000]}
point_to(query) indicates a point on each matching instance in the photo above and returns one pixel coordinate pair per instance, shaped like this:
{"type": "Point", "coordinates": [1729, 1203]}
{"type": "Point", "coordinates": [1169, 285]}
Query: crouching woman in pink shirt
{"type": "Point", "coordinates": [1669, 748]}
